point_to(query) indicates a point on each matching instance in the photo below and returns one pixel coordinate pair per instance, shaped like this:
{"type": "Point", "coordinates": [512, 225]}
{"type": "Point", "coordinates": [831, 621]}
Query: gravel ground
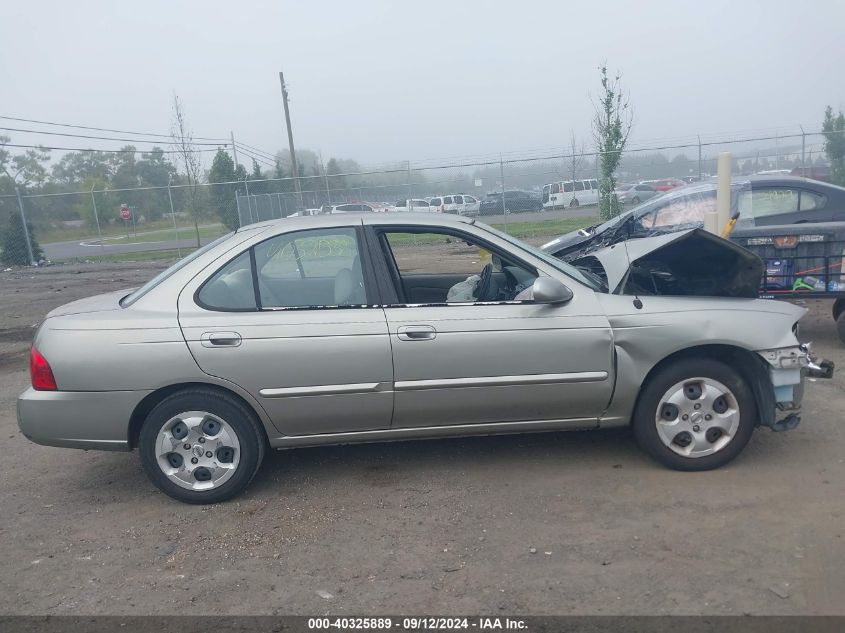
{"type": "Point", "coordinates": [562, 523]}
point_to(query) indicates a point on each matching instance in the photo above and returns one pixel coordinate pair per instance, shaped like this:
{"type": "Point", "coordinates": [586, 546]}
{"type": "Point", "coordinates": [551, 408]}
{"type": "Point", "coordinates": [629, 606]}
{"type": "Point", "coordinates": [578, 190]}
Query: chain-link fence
{"type": "Point", "coordinates": [169, 221]}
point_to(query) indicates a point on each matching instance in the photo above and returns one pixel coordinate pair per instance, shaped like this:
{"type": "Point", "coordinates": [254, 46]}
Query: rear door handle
{"type": "Point", "coordinates": [416, 333]}
{"type": "Point", "coordinates": [220, 339]}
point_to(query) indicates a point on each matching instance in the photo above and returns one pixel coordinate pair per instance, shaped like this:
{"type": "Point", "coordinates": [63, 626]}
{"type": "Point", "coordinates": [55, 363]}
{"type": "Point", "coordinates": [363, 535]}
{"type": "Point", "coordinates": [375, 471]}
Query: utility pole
{"type": "Point", "coordinates": [234, 149]}
{"type": "Point", "coordinates": [290, 141]}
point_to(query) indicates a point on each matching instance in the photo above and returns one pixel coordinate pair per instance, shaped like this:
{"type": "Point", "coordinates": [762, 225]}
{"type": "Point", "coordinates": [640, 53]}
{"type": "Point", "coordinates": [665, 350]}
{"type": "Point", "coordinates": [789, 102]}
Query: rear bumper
{"type": "Point", "coordinates": [97, 420]}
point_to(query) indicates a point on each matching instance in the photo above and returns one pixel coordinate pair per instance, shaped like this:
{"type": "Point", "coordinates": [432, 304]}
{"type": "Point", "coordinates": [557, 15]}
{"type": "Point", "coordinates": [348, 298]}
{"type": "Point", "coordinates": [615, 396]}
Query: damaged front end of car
{"type": "Point", "coordinates": [787, 369]}
{"type": "Point", "coordinates": [695, 263]}
{"type": "Point", "coordinates": [692, 263]}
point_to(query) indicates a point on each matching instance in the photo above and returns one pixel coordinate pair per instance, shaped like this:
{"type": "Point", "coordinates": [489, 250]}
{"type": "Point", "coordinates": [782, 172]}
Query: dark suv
{"type": "Point", "coordinates": [515, 200]}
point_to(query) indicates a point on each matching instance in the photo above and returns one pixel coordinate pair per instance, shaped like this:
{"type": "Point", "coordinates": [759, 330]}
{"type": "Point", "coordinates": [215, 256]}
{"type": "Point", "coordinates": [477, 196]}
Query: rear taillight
{"type": "Point", "coordinates": [40, 372]}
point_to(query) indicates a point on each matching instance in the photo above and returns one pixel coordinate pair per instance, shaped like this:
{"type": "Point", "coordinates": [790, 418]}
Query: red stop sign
{"type": "Point", "coordinates": [124, 213]}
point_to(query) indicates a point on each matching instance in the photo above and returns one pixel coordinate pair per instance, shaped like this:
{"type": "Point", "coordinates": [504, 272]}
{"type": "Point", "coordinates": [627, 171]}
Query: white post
{"type": "Point", "coordinates": [723, 191]}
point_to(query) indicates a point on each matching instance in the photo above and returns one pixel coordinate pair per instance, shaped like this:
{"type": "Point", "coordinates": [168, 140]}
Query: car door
{"type": "Point", "coordinates": [310, 343]}
{"type": "Point", "coordinates": [468, 362]}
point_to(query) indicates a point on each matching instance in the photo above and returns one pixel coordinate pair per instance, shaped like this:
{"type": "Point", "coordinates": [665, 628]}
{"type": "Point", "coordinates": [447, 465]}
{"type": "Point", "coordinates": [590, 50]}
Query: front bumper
{"type": "Point", "coordinates": [788, 370]}
{"type": "Point", "coordinates": [96, 420]}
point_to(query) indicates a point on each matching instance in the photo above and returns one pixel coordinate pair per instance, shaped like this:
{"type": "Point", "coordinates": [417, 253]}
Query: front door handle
{"type": "Point", "coordinates": [220, 339]}
{"type": "Point", "coordinates": [416, 333]}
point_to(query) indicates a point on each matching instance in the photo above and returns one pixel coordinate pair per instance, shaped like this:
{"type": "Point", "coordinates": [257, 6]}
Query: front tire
{"type": "Point", "coordinates": [695, 414]}
{"type": "Point", "coordinates": [635, 200]}
{"type": "Point", "coordinates": [201, 446]}
{"type": "Point", "coordinates": [574, 204]}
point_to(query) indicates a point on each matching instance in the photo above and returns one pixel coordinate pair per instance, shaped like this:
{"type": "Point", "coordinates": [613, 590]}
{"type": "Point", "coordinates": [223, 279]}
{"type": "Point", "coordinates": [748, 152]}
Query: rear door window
{"type": "Point", "coordinates": [314, 268]}
{"type": "Point", "coordinates": [579, 186]}
{"type": "Point", "coordinates": [567, 187]}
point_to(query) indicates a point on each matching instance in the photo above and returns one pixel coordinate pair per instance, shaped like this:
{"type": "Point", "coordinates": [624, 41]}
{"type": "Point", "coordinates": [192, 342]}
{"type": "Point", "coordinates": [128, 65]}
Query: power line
{"type": "Point", "coordinates": [107, 151]}
{"type": "Point", "coordinates": [250, 152]}
{"type": "Point", "coordinates": [102, 129]}
{"type": "Point", "coordinates": [257, 158]}
{"type": "Point", "coordinates": [255, 149]}
{"type": "Point", "coordinates": [102, 138]}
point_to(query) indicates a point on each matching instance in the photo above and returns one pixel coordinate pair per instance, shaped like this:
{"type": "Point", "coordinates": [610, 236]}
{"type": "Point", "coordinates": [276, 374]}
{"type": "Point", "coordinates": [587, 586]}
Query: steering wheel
{"type": "Point", "coordinates": [485, 284]}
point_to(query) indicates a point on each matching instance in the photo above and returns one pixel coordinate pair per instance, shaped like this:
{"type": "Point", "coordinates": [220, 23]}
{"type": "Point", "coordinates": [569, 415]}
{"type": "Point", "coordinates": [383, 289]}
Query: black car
{"type": "Point", "coordinates": [516, 201]}
{"type": "Point", "coordinates": [760, 200]}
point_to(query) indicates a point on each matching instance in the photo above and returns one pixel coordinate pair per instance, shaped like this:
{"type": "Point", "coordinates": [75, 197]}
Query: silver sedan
{"type": "Point", "coordinates": [362, 328]}
{"type": "Point", "coordinates": [636, 194]}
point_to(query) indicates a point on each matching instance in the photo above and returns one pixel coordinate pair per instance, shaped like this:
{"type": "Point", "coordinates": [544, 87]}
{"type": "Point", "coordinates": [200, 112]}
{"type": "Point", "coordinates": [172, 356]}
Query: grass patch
{"type": "Point", "coordinates": [545, 228]}
{"type": "Point", "coordinates": [144, 256]}
{"type": "Point", "coordinates": [158, 231]}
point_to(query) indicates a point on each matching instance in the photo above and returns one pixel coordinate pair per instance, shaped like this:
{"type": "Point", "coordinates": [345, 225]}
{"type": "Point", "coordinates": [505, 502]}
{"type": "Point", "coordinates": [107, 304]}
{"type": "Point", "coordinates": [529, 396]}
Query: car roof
{"type": "Point", "coordinates": [328, 221]}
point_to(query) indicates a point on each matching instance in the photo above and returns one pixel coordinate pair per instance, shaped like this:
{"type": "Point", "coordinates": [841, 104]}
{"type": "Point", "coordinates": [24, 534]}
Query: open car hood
{"type": "Point", "coordinates": [687, 263]}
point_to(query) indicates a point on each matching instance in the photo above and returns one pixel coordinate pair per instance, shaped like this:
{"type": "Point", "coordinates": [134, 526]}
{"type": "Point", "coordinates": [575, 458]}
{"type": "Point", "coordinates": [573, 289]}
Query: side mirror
{"type": "Point", "coordinates": [548, 290]}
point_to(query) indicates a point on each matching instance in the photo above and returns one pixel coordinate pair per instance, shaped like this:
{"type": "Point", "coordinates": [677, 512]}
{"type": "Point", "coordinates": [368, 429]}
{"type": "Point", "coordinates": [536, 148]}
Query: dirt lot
{"type": "Point", "coordinates": [567, 523]}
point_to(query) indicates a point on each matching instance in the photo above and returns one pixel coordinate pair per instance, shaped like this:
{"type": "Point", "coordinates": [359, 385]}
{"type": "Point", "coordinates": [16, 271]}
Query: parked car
{"type": "Point", "coordinates": [305, 212]}
{"type": "Point", "coordinates": [516, 201]}
{"type": "Point", "coordinates": [412, 205]}
{"type": "Point", "coordinates": [635, 194]}
{"type": "Point", "coordinates": [336, 329]}
{"type": "Point", "coordinates": [458, 204]}
{"type": "Point", "coordinates": [665, 184]}
{"type": "Point", "coordinates": [353, 207]}
{"type": "Point", "coordinates": [760, 200]}
{"type": "Point", "coordinates": [571, 193]}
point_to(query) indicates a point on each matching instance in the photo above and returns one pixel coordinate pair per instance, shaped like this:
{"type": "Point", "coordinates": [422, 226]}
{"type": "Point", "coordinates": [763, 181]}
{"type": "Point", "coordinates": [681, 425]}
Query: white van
{"type": "Point", "coordinates": [570, 193]}
{"type": "Point", "coordinates": [457, 204]}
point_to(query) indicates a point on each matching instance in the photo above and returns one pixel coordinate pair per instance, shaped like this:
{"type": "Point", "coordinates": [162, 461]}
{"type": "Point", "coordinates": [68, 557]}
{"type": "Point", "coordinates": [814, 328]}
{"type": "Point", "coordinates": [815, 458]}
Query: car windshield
{"type": "Point", "coordinates": [129, 299]}
{"type": "Point", "coordinates": [588, 279]}
{"type": "Point", "coordinates": [659, 201]}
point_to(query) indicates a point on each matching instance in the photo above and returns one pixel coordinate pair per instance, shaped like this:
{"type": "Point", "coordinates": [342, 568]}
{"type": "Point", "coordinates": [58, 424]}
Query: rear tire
{"type": "Point", "coordinates": [573, 204]}
{"type": "Point", "coordinates": [695, 414]}
{"type": "Point", "coordinates": [201, 446]}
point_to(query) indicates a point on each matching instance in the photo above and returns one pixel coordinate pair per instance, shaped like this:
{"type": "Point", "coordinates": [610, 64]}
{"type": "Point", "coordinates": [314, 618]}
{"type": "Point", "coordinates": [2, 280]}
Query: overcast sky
{"type": "Point", "coordinates": [388, 81]}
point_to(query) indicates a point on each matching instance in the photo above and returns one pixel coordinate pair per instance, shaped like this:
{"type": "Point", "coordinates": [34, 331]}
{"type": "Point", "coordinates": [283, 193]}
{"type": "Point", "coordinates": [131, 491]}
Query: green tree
{"type": "Point", "coordinates": [611, 125]}
{"type": "Point", "coordinates": [26, 168]}
{"type": "Point", "coordinates": [14, 243]}
{"type": "Point", "coordinates": [834, 144]}
{"type": "Point", "coordinates": [223, 196]}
